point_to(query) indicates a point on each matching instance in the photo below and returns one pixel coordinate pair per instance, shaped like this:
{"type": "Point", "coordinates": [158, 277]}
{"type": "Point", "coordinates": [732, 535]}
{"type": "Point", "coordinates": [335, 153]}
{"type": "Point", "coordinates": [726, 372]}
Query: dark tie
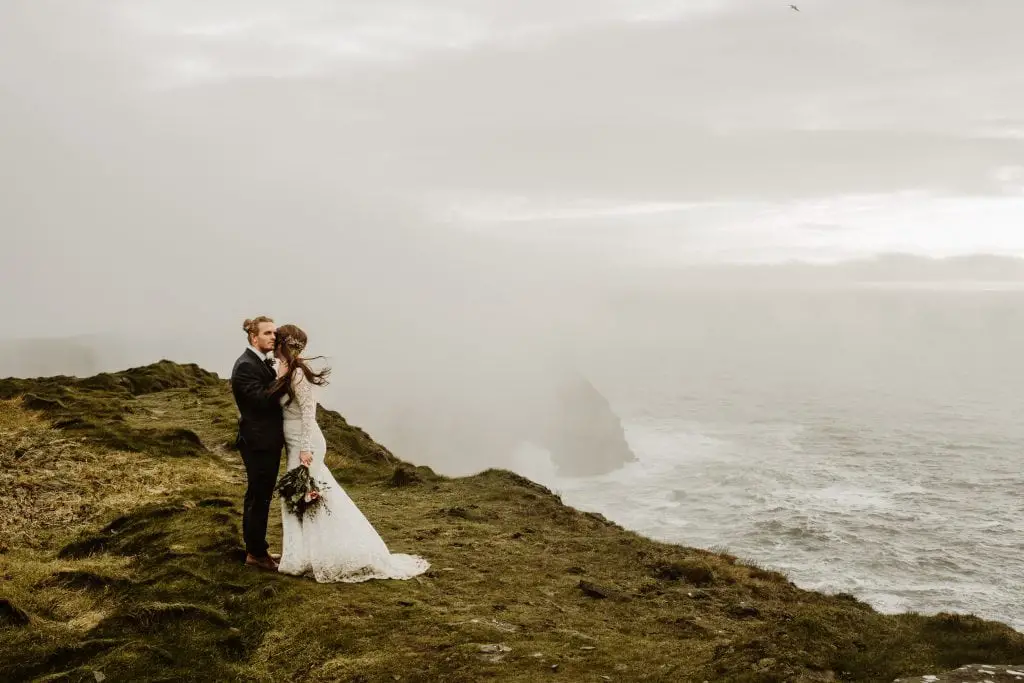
{"type": "Point", "coordinates": [269, 362]}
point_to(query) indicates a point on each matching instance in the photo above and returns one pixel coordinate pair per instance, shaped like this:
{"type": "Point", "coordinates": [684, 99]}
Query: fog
{"type": "Point", "coordinates": [445, 196]}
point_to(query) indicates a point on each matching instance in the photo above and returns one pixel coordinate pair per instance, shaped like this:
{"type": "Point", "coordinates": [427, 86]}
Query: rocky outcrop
{"type": "Point", "coordinates": [983, 673]}
{"type": "Point", "coordinates": [588, 439]}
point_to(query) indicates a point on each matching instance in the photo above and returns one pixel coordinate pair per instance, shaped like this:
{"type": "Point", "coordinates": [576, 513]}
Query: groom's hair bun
{"type": "Point", "coordinates": [252, 325]}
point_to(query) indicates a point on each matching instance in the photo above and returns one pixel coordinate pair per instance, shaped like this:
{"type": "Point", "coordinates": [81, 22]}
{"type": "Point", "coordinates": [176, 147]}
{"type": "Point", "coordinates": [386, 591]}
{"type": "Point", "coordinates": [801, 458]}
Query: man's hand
{"type": "Point", "coordinates": [306, 458]}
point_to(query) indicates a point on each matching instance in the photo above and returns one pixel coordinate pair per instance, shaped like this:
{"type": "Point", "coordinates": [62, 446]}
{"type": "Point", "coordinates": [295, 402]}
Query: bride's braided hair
{"type": "Point", "coordinates": [290, 342]}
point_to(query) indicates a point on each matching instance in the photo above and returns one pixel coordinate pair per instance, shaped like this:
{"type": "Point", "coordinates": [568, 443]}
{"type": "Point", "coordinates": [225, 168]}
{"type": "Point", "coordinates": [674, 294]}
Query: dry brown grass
{"type": "Point", "coordinates": [56, 484]}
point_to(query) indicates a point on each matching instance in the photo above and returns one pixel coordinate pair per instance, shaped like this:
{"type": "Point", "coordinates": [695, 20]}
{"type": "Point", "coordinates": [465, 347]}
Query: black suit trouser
{"type": "Point", "coordinates": [261, 469]}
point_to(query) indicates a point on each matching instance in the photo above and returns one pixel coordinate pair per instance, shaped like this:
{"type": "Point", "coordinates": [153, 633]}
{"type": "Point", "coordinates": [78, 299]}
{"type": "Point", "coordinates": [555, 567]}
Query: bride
{"type": "Point", "coordinates": [342, 545]}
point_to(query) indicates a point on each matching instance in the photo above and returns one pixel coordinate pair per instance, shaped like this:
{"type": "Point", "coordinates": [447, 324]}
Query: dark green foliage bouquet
{"type": "Point", "coordinates": [301, 493]}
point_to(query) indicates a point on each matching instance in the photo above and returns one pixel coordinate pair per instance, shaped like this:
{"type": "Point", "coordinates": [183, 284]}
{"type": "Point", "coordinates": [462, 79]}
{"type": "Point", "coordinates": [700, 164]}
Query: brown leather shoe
{"type": "Point", "coordinates": [263, 563]}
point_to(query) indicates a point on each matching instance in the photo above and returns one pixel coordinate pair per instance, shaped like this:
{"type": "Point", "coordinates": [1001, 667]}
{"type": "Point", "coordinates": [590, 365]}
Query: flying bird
{"type": "Point", "coordinates": [794, 8]}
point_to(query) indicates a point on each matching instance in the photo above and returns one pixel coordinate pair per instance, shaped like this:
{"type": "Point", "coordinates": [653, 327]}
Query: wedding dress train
{"type": "Point", "coordinates": [340, 545]}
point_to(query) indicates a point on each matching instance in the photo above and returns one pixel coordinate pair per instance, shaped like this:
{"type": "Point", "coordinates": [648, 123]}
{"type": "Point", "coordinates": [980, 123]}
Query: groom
{"type": "Point", "coordinates": [260, 435]}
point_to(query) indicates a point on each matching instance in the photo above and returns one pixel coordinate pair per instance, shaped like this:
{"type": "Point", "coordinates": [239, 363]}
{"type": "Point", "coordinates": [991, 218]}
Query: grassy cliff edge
{"type": "Point", "coordinates": [120, 560]}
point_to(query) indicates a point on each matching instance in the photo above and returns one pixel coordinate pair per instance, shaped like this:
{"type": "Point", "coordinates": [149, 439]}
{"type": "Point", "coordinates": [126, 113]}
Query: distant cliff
{"type": "Point", "coordinates": [479, 421]}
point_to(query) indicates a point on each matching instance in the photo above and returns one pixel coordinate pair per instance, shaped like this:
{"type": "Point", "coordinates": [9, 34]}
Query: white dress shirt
{"type": "Point", "coordinates": [263, 356]}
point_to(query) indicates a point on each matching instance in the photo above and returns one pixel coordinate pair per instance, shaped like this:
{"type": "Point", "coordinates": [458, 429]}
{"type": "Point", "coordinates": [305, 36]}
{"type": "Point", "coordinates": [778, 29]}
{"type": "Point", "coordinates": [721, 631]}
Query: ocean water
{"type": "Point", "coordinates": [864, 441]}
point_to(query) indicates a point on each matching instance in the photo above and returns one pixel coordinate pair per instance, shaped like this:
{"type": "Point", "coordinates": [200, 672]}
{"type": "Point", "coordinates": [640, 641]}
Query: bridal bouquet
{"type": "Point", "coordinates": [301, 493]}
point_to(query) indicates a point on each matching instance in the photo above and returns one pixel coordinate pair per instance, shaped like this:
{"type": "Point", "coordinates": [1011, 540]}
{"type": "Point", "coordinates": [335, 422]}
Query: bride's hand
{"type": "Point", "coordinates": [282, 367]}
{"type": "Point", "coordinates": [306, 458]}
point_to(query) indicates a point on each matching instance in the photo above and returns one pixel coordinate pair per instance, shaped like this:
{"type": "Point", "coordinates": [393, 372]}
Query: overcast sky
{"type": "Point", "coordinates": [165, 157]}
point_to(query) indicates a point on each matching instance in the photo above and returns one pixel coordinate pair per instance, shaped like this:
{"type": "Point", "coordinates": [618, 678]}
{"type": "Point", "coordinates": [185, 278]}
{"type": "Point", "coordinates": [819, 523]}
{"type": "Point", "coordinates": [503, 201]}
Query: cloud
{"type": "Point", "coordinates": [233, 40]}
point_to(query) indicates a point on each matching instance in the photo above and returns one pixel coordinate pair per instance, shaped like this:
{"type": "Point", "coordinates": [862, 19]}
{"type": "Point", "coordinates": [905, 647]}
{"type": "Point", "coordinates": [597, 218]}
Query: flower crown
{"type": "Point", "coordinates": [292, 343]}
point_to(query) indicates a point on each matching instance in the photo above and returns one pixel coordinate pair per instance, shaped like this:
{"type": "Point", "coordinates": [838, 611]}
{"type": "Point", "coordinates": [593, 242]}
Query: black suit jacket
{"type": "Point", "coordinates": [261, 425]}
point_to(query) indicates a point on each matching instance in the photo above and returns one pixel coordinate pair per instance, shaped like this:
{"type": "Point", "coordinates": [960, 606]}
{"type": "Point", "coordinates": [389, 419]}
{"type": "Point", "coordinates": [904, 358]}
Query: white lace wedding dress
{"type": "Point", "coordinates": [340, 546]}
